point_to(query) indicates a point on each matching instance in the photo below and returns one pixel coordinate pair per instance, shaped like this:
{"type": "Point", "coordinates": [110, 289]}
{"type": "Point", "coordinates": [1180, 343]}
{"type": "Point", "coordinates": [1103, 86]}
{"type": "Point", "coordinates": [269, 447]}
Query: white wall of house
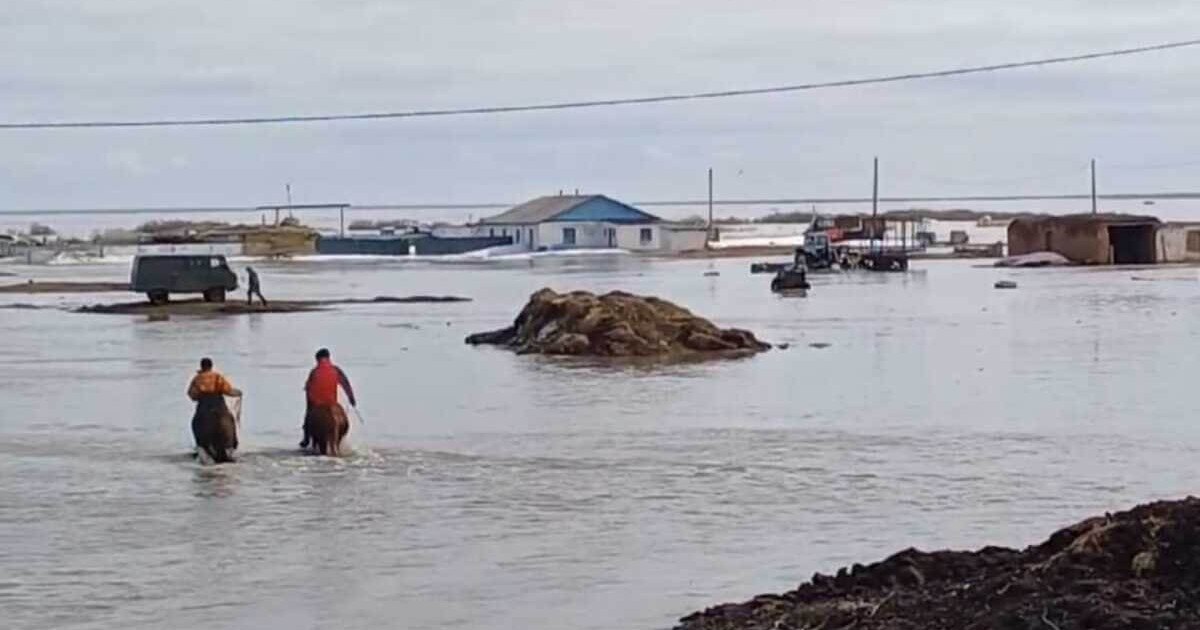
{"type": "Point", "coordinates": [684, 238]}
{"type": "Point", "coordinates": [1174, 240]}
{"type": "Point", "coordinates": [588, 235]}
{"type": "Point", "coordinates": [638, 237]}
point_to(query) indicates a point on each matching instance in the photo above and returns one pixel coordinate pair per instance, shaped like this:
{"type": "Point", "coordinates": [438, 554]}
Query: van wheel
{"type": "Point", "coordinates": [157, 297]}
{"type": "Point", "coordinates": [214, 295]}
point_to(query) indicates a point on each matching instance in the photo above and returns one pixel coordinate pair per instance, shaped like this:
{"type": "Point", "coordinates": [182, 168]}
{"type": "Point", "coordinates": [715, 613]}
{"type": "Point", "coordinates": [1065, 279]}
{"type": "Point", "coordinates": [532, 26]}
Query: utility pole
{"type": "Point", "coordinates": [1093, 186]}
{"type": "Point", "coordinates": [288, 187]}
{"type": "Point", "coordinates": [875, 192]}
{"type": "Point", "coordinates": [710, 205]}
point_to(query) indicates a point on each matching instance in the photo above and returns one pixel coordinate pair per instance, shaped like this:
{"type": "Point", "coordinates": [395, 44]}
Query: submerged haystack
{"type": "Point", "coordinates": [615, 324]}
{"type": "Point", "coordinates": [1133, 570]}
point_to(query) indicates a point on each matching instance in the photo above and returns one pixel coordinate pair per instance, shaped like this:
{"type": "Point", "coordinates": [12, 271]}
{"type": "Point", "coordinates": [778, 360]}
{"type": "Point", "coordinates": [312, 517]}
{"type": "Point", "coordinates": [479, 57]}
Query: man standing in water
{"type": "Point", "coordinates": [253, 287]}
{"type": "Point", "coordinates": [320, 391]}
{"type": "Point", "coordinates": [213, 426]}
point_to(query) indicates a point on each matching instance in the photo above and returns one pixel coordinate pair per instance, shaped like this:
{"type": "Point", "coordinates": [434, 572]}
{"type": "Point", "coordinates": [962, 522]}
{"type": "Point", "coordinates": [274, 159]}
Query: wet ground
{"type": "Point", "coordinates": [494, 490]}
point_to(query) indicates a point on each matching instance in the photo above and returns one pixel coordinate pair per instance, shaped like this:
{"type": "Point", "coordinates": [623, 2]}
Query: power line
{"type": "Point", "coordinates": [508, 109]}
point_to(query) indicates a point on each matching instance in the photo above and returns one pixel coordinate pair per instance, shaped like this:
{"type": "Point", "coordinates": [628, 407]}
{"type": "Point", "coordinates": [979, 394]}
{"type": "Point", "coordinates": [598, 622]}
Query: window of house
{"type": "Point", "coordinates": [1193, 241]}
{"type": "Point", "coordinates": [568, 236]}
{"type": "Point", "coordinates": [518, 234]}
{"type": "Point", "coordinates": [492, 232]}
{"type": "Point", "coordinates": [647, 236]}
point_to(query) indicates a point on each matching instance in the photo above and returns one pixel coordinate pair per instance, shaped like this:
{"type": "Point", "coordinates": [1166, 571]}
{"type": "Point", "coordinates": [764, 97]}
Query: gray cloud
{"type": "Point", "coordinates": [1004, 132]}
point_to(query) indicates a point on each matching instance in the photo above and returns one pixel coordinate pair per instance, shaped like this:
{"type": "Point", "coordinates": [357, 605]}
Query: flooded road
{"type": "Point", "coordinates": [489, 490]}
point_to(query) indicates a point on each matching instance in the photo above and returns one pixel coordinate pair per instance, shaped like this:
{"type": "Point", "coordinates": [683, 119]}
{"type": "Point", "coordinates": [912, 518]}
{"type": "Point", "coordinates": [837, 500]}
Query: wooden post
{"type": "Point", "coordinates": [1093, 186]}
{"type": "Point", "coordinates": [875, 208]}
{"type": "Point", "coordinates": [875, 191]}
{"type": "Point", "coordinates": [710, 204]}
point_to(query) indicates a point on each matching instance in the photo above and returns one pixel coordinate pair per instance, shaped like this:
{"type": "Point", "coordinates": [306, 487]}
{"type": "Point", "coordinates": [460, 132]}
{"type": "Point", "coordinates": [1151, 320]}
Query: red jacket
{"type": "Point", "coordinates": [323, 382]}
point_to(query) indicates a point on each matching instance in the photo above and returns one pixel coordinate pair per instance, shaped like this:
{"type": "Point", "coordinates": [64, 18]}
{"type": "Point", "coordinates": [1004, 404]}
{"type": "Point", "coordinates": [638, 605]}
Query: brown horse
{"type": "Point", "coordinates": [327, 426]}
{"type": "Point", "coordinates": [215, 428]}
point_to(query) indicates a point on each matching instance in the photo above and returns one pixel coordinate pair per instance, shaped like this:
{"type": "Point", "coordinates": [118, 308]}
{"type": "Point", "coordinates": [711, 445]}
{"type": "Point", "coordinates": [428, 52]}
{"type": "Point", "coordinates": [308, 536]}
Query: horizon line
{"type": "Point", "coordinates": [650, 203]}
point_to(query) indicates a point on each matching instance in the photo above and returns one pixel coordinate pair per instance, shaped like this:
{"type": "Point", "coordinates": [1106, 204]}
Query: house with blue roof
{"type": "Point", "coordinates": [589, 222]}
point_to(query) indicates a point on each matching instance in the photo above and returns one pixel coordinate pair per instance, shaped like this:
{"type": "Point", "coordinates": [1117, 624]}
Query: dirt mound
{"type": "Point", "coordinates": [1130, 571]}
{"type": "Point", "coordinates": [615, 324]}
{"type": "Point", "coordinates": [65, 287]}
{"type": "Point", "coordinates": [199, 307]}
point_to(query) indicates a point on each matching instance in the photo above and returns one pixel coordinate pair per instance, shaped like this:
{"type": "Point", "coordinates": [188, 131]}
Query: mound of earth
{"type": "Point", "coordinates": [65, 287]}
{"type": "Point", "coordinates": [615, 324]}
{"type": "Point", "coordinates": [200, 307]}
{"type": "Point", "coordinates": [1130, 571]}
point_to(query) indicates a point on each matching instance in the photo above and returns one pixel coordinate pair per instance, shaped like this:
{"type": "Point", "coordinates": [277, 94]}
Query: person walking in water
{"type": "Point", "coordinates": [325, 421]}
{"type": "Point", "coordinates": [213, 426]}
{"type": "Point", "coordinates": [253, 287]}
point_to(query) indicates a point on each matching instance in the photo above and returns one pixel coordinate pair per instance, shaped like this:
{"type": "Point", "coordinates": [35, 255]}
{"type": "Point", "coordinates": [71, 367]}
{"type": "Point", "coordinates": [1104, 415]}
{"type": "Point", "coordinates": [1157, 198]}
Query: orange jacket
{"type": "Point", "coordinates": [210, 382]}
{"type": "Point", "coordinates": [322, 384]}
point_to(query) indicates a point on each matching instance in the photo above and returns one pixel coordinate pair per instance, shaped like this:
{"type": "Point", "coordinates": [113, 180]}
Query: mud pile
{"type": "Point", "coordinates": [65, 287]}
{"type": "Point", "coordinates": [615, 324]}
{"type": "Point", "coordinates": [1133, 570]}
{"type": "Point", "coordinates": [237, 307]}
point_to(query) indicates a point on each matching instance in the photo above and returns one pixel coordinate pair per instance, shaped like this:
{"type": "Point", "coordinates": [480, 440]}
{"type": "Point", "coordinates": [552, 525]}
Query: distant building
{"type": "Point", "coordinates": [1179, 242]}
{"type": "Point", "coordinates": [1089, 239]}
{"type": "Point", "coordinates": [589, 222]}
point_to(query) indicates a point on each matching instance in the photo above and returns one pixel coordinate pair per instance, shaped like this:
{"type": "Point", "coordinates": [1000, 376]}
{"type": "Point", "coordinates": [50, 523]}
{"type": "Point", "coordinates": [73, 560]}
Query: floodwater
{"type": "Point", "coordinates": [489, 490]}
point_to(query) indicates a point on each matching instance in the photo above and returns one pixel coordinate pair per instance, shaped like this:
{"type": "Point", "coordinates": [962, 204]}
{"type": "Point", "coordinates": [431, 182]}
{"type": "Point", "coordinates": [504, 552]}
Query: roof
{"type": "Point", "coordinates": [554, 207]}
{"type": "Point", "coordinates": [1078, 219]}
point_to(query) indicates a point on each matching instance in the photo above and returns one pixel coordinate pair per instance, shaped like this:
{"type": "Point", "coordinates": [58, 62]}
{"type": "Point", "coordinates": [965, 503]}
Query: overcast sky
{"type": "Point", "coordinates": [1011, 132]}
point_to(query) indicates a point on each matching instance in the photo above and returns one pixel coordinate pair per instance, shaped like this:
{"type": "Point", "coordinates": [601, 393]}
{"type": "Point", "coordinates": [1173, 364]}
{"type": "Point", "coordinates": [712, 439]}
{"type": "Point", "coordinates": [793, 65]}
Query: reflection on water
{"type": "Point", "coordinates": [214, 481]}
{"type": "Point", "coordinates": [492, 490]}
